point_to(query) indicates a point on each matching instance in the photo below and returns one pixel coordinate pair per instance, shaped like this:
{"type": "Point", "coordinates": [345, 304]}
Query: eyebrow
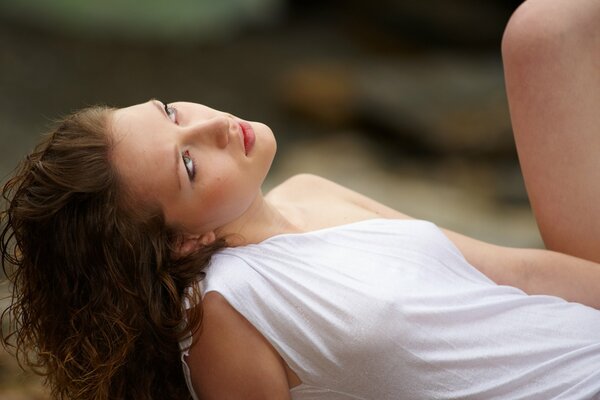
{"type": "Point", "coordinates": [158, 104]}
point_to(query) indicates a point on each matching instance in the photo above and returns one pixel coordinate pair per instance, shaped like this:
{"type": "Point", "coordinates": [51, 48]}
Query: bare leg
{"type": "Point", "coordinates": [551, 53]}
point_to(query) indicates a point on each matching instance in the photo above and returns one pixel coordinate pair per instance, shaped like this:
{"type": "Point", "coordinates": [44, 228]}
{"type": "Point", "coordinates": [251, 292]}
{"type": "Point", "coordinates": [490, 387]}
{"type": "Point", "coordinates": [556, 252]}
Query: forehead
{"type": "Point", "coordinates": [142, 150]}
{"type": "Point", "coordinates": [123, 118]}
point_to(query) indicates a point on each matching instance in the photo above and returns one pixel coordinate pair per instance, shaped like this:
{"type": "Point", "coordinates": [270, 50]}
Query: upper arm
{"type": "Point", "coordinates": [497, 262]}
{"type": "Point", "coordinates": [230, 359]}
{"type": "Point", "coordinates": [534, 271]}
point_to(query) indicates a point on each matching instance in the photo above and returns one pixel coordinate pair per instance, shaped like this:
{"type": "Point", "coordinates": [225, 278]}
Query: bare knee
{"type": "Point", "coordinates": [551, 53]}
{"type": "Point", "coordinates": [539, 27]}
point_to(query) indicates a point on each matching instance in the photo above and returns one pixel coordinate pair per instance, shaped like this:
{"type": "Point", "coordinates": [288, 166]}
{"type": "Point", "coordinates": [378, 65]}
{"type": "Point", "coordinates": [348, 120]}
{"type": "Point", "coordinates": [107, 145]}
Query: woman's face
{"type": "Point", "coordinates": [192, 160]}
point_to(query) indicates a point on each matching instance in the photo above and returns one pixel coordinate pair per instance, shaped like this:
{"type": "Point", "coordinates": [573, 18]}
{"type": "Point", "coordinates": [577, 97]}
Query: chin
{"type": "Point", "coordinates": [264, 129]}
{"type": "Point", "coordinates": [268, 138]}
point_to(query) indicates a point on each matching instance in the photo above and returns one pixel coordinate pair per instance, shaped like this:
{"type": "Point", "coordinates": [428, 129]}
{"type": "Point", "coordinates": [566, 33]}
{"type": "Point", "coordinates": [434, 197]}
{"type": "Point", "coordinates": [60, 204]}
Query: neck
{"type": "Point", "coordinates": [263, 219]}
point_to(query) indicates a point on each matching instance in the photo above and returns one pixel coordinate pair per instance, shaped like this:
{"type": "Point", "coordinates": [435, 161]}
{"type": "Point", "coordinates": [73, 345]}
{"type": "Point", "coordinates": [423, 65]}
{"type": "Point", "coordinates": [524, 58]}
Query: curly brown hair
{"type": "Point", "coordinates": [97, 296]}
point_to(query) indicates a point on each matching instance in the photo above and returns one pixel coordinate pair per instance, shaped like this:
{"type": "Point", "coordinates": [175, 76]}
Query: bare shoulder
{"type": "Point", "coordinates": [296, 185]}
{"type": "Point", "coordinates": [316, 183]}
{"type": "Point", "coordinates": [310, 185]}
{"type": "Point", "coordinates": [230, 359]}
{"type": "Point", "coordinates": [377, 208]}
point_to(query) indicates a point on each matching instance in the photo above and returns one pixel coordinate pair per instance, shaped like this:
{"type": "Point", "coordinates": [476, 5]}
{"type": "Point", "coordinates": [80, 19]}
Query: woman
{"type": "Point", "coordinates": [118, 215]}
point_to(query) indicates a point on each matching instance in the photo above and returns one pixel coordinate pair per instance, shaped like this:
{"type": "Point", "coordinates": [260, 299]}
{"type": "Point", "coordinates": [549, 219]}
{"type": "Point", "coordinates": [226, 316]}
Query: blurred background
{"type": "Point", "coordinates": [403, 101]}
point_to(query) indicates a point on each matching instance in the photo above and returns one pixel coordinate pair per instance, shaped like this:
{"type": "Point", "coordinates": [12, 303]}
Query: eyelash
{"type": "Point", "coordinates": [170, 109]}
{"type": "Point", "coordinates": [188, 158]}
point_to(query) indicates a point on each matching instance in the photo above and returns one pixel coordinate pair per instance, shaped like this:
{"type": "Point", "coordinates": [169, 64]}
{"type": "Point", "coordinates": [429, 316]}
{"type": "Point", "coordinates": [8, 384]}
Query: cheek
{"type": "Point", "coordinates": [225, 200]}
{"type": "Point", "coordinates": [215, 193]}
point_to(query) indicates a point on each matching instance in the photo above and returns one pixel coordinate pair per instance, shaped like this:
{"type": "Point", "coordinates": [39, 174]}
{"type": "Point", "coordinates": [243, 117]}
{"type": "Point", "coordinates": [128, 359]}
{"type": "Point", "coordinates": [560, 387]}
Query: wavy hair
{"type": "Point", "coordinates": [96, 303]}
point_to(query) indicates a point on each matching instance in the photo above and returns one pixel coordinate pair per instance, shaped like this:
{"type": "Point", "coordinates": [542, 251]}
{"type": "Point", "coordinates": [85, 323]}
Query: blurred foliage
{"type": "Point", "coordinates": [181, 20]}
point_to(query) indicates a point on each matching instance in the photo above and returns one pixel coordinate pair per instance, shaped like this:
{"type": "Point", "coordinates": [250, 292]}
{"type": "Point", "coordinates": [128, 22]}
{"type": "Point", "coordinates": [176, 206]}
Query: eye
{"type": "Point", "coordinates": [171, 112]}
{"type": "Point", "coordinates": [190, 166]}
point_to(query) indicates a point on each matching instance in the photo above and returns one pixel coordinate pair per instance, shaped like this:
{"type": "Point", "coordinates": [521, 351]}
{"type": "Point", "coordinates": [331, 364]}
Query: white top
{"type": "Point", "coordinates": [390, 309]}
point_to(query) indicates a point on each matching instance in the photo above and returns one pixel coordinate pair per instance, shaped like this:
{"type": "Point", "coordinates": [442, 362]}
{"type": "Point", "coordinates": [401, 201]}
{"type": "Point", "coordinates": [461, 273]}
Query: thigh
{"type": "Point", "coordinates": [551, 54]}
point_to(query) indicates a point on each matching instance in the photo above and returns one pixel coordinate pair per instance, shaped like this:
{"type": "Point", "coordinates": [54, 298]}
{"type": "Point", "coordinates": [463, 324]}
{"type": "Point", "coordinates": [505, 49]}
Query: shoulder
{"type": "Point", "coordinates": [305, 188]}
{"type": "Point", "coordinates": [230, 359]}
{"type": "Point", "coordinates": [311, 184]}
{"type": "Point", "coordinates": [300, 182]}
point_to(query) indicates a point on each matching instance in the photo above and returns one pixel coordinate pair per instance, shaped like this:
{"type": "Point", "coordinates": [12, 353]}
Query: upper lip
{"type": "Point", "coordinates": [242, 134]}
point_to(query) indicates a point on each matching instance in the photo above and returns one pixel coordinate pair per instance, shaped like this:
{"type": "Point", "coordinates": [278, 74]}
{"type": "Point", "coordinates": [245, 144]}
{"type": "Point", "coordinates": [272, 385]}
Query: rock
{"type": "Point", "coordinates": [437, 23]}
{"type": "Point", "coordinates": [325, 93]}
{"type": "Point", "coordinates": [442, 102]}
{"type": "Point", "coordinates": [449, 104]}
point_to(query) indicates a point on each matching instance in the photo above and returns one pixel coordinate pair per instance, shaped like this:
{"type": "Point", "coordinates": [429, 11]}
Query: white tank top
{"type": "Point", "coordinates": [389, 309]}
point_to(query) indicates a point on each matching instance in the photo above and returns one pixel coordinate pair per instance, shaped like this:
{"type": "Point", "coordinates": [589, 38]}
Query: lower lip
{"type": "Point", "coordinates": [248, 135]}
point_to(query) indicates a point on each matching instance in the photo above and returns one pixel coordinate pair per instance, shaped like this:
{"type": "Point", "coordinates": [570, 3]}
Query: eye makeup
{"type": "Point", "coordinates": [190, 165]}
{"type": "Point", "coordinates": [170, 111]}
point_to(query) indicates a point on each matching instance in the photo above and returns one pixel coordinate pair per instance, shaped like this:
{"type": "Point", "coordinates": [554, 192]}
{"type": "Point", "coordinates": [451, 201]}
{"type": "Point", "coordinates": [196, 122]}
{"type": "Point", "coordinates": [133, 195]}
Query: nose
{"type": "Point", "coordinates": [212, 132]}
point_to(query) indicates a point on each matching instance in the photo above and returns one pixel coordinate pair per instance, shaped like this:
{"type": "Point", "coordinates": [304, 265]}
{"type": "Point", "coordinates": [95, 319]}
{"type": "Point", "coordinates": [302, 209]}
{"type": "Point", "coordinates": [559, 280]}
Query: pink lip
{"type": "Point", "coordinates": [248, 136]}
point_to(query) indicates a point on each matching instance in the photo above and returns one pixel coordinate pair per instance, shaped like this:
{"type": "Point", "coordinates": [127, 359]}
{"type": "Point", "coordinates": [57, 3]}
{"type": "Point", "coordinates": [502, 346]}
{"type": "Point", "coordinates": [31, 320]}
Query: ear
{"type": "Point", "coordinates": [187, 243]}
{"type": "Point", "coordinates": [208, 238]}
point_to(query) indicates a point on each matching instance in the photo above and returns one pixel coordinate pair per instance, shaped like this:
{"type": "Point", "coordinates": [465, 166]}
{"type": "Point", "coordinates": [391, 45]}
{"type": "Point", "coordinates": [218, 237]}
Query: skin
{"type": "Point", "coordinates": [555, 121]}
{"type": "Point", "coordinates": [225, 196]}
{"type": "Point", "coordinates": [551, 52]}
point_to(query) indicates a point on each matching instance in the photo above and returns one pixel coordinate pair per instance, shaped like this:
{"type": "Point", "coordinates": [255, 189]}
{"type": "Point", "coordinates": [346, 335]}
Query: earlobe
{"type": "Point", "coordinates": [184, 247]}
{"type": "Point", "coordinates": [190, 243]}
{"type": "Point", "coordinates": [208, 238]}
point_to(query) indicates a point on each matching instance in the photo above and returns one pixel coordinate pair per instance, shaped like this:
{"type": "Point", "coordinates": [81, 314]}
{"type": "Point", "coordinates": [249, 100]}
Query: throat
{"type": "Point", "coordinates": [274, 218]}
